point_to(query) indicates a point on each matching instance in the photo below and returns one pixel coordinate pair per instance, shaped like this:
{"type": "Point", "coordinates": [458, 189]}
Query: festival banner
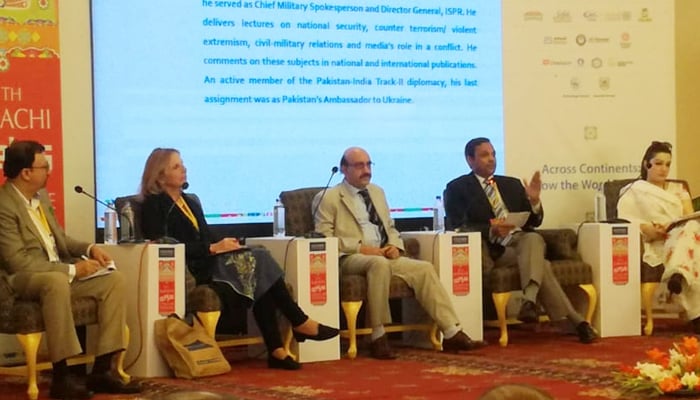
{"type": "Point", "coordinates": [30, 84]}
{"type": "Point", "coordinates": [166, 286]}
{"type": "Point", "coordinates": [318, 289]}
{"type": "Point", "coordinates": [460, 270]}
{"type": "Point", "coordinates": [620, 260]}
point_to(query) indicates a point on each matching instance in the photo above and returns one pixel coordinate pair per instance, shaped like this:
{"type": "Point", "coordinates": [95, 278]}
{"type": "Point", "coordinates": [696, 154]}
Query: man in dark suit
{"type": "Point", "coordinates": [480, 201]}
{"type": "Point", "coordinates": [45, 264]}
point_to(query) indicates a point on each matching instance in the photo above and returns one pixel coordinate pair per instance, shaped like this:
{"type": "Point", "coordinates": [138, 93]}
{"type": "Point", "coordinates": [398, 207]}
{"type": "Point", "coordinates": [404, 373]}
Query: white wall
{"type": "Point", "coordinates": [76, 79]}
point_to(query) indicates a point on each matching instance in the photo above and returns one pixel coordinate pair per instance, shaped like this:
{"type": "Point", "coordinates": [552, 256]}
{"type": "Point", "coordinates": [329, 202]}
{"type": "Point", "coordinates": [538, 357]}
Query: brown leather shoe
{"type": "Point", "coordinates": [461, 341]}
{"type": "Point", "coordinates": [381, 350]}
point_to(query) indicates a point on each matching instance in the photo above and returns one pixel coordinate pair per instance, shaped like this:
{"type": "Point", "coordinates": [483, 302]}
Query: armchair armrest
{"type": "Point", "coordinates": [561, 244]}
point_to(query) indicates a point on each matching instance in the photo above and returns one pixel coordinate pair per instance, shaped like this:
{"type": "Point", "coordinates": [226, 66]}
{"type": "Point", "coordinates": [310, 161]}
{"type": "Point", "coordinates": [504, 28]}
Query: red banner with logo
{"type": "Point", "coordinates": [30, 84]}
{"type": "Point", "coordinates": [318, 289]}
{"type": "Point", "coordinates": [460, 270]}
{"type": "Point", "coordinates": [166, 287]}
{"type": "Point", "coordinates": [620, 261]}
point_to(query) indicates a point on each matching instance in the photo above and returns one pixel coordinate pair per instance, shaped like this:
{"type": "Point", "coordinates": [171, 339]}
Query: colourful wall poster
{"type": "Point", "coordinates": [30, 83]}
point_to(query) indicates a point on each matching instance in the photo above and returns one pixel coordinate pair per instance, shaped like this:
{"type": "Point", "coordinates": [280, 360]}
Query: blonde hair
{"type": "Point", "coordinates": [154, 170]}
{"type": "Point", "coordinates": [515, 392]}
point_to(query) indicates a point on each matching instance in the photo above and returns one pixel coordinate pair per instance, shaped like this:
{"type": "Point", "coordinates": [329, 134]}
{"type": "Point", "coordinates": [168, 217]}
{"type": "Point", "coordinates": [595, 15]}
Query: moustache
{"type": "Point", "coordinates": [366, 176]}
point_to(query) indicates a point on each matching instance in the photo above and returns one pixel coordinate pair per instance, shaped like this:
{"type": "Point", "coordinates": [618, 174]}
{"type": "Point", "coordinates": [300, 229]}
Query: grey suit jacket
{"type": "Point", "coordinates": [21, 247]}
{"type": "Point", "coordinates": [336, 217]}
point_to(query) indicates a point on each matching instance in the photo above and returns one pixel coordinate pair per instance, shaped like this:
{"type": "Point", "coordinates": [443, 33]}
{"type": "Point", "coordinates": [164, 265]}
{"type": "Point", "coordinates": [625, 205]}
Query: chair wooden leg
{"type": "Point", "coordinates": [209, 320]}
{"type": "Point", "coordinates": [287, 336]}
{"type": "Point", "coordinates": [30, 346]}
{"type": "Point", "coordinates": [592, 300]}
{"type": "Point", "coordinates": [647, 292]}
{"type": "Point", "coordinates": [500, 301]}
{"type": "Point", "coordinates": [126, 378]}
{"type": "Point", "coordinates": [435, 338]}
{"type": "Point", "coordinates": [351, 309]}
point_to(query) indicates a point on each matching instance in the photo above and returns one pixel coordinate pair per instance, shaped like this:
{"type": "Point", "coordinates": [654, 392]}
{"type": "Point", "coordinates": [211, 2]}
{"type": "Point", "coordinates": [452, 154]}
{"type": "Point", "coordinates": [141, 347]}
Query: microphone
{"type": "Point", "coordinates": [314, 234]}
{"type": "Point", "coordinates": [123, 217]}
{"type": "Point", "coordinates": [79, 189]}
{"type": "Point", "coordinates": [167, 239]}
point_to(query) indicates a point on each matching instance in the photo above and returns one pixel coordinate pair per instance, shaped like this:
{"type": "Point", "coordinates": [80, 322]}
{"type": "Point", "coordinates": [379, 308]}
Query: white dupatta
{"type": "Point", "coordinates": [644, 203]}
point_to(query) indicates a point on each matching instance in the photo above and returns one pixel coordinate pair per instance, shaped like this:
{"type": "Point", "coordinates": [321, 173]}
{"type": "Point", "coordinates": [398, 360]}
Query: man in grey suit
{"type": "Point", "coordinates": [479, 201]}
{"type": "Point", "coordinates": [45, 264]}
{"type": "Point", "coordinates": [356, 212]}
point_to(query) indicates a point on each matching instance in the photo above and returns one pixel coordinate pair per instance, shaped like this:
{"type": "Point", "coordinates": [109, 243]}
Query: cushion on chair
{"type": "Point", "coordinates": [25, 316]}
{"type": "Point", "coordinates": [561, 244]}
{"type": "Point", "coordinates": [572, 272]}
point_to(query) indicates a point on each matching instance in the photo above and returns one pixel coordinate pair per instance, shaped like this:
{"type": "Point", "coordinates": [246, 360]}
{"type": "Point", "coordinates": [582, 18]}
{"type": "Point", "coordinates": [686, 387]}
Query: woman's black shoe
{"type": "Point", "coordinates": [286, 363]}
{"type": "Point", "coordinates": [324, 333]}
{"type": "Point", "coordinates": [675, 283]}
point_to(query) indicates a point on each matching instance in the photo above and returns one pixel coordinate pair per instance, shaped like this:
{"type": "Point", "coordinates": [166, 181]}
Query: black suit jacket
{"type": "Point", "coordinates": [468, 208]}
{"type": "Point", "coordinates": [159, 211]}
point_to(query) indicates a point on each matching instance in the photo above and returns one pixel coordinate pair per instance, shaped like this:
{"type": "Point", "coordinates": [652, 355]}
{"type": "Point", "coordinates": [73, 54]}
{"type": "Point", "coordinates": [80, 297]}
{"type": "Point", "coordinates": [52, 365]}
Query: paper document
{"type": "Point", "coordinates": [107, 269]}
{"type": "Point", "coordinates": [517, 218]}
{"type": "Point", "coordinates": [683, 219]}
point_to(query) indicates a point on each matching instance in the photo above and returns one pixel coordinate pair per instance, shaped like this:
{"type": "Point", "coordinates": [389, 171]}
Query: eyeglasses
{"type": "Point", "coordinates": [46, 167]}
{"type": "Point", "coordinates": [360, 165]}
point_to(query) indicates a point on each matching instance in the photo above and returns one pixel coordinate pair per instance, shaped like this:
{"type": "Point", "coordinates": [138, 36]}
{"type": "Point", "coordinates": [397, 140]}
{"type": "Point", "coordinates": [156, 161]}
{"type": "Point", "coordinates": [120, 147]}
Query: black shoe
{"type": "Point", "coordinates": [586, 333]}
{"type": "Point", "coordinates": [287, 363]}
{"type": "Point", "coordinates": [107, 383]}
{"type": "Point", "coordinates": [68, 388]}
{"type": "Point", "coordinates": [324, 333]}
{"type": "Point", "coordinates": [528, 312]}
{"type": "Point", "coordinates": [696, 325]}
{"type": "Point", "coordinates": [675, 283]}
{"type": "Point", "coordinates": [461, 341]}
{"type": "Point", "coordinates": [380, 349]}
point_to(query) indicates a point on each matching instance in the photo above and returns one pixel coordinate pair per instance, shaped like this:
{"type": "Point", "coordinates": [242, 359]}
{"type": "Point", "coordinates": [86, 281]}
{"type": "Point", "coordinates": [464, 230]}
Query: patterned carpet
{"type": "Point", "coordinates": [539, 355]}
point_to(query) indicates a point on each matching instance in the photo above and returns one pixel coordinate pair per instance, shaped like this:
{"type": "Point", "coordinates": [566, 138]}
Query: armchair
{"type": "Point", "coordinates": [566, 264]}
{"type": "Point", "coordinates": [650, 276]}
{"type": "Point", "coordinates": [353, 288]}
{"type": "Point", "coordinates": [23, 318]}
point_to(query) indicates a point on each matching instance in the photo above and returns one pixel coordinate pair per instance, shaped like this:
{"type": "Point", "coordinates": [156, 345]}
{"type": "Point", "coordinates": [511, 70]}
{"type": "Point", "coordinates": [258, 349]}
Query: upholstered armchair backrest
{"type": "Point", "coordinates": [134, 201]}
{"type": "Point", "coordinates": [611, 190]}
{"type": "Point", "coordinates": [298, 214]}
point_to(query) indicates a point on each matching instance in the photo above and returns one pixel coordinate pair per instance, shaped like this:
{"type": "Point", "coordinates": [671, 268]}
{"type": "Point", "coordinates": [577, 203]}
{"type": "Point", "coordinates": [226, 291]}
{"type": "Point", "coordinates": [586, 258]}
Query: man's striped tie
{"type": "Point", "coordinates": [374, 217]}
{"type": "Point", "coordinates": [491, 190]}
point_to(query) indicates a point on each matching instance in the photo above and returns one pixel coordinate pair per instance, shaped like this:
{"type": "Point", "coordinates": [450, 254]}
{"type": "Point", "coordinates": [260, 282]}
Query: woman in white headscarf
{"type": "Point", "coordinates": [655, 203]}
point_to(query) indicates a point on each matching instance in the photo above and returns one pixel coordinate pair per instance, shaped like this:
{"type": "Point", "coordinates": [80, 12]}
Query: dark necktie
{"type": "Point", "coordinates": [374, 217]}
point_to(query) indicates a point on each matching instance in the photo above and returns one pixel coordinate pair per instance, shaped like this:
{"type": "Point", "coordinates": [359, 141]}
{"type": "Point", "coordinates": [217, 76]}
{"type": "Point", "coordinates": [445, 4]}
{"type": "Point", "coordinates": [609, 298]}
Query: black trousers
{"type": "Point", "coordinates": [277, 298]}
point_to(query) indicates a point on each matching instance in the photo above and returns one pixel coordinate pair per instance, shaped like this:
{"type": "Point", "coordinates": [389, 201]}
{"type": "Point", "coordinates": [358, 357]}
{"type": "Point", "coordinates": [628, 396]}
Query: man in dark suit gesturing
{"type": "Point", "coordinates": [480, 201]}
